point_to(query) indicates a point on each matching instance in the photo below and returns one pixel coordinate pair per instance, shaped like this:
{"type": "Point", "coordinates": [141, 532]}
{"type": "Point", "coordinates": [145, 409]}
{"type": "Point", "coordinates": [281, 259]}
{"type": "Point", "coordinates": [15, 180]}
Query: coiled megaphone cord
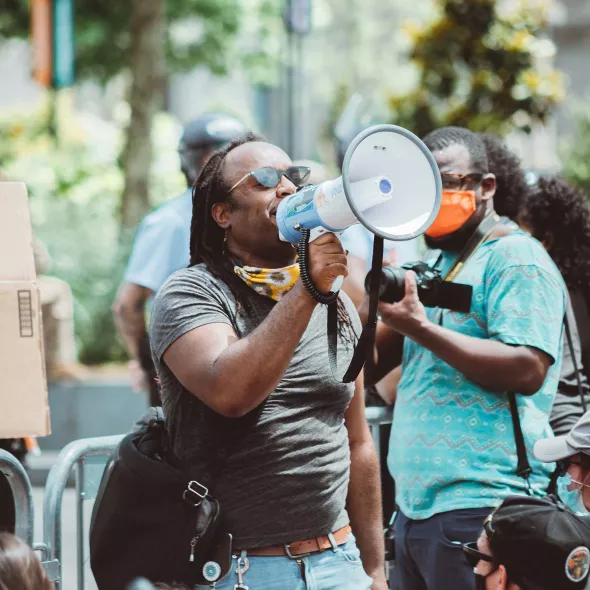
{"type": "Point", "coordinates": [303, 248]}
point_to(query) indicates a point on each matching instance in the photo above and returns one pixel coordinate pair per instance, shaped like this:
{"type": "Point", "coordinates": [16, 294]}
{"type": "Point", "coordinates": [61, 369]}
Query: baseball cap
{"type": "Point", "coordinates": [211, 130]}
{"type": "Point", "coordinates": [542, 544]}
{"type": "Point", "coordinates": [577, 440]}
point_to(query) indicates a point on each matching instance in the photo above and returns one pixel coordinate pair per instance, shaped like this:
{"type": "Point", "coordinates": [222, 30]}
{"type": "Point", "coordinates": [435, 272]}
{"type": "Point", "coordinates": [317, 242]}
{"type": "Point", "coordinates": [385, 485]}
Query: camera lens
{"type": "Point", "coordinates": [391, 286]}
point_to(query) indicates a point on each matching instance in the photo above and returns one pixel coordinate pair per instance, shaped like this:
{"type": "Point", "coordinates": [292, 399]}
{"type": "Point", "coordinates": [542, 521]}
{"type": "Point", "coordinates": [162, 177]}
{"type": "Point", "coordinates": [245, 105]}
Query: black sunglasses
{"type": "Point", "coordinates": [270, 177]}
{"type": "Point", "coordinates": [458, 182]}
{"type": "Point", "coordinates": [473, 555]}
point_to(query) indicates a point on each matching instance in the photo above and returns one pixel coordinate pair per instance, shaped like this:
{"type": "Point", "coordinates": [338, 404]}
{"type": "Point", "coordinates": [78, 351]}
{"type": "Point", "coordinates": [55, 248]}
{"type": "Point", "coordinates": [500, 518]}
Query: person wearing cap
{"type": "Point", "coordinates": [571, 452]}
{"type": "Point", "coordinates": [531, 544]}
{"type": "Point", "coordinates": [161, 245]}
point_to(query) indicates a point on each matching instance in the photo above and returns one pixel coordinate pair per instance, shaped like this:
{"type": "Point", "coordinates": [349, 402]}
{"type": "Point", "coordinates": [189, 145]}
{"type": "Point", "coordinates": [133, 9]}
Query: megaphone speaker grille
{"type": "Point", "coordinates": [409, 173]}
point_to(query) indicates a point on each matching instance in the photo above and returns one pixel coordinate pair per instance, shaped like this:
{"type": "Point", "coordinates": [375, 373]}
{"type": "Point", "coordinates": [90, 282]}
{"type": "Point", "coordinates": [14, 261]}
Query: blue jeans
{"type": "Point", "coordinates": [334, 569]}
{"type": "Point", "coordinates": [428, 553]}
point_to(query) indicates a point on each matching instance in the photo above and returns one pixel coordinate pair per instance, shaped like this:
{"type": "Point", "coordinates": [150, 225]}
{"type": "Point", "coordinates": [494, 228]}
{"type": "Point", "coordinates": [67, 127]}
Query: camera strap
{"type": "Point", "coordinates": [366, 341]}
{"type": "Point", "coordinates": [480, 235]}
{"type": "Point", "coordinates": [523, 467]}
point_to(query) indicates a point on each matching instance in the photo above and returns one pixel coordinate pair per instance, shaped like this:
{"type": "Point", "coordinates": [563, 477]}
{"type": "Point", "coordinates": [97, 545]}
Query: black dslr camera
{"type": "Point", "coordinates": [433, 291]}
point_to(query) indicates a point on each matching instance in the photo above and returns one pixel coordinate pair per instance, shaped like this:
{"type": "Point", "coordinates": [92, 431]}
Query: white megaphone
{"type": "Point", "coordinates": [390, 183]}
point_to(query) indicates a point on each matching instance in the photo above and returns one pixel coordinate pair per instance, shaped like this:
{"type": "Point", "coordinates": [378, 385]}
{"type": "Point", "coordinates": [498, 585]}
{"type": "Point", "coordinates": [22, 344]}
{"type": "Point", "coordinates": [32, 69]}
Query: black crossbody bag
{"type": "Point", "coordinates": [154, 519]}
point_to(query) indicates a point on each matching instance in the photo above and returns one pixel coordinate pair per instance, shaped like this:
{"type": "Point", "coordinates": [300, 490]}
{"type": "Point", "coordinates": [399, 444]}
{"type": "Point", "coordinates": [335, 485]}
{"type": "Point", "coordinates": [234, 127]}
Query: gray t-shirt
{"type": "Point", "coordinates": [286, 476]}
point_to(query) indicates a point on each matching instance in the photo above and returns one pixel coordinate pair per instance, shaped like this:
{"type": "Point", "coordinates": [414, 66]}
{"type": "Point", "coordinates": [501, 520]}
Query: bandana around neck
{"type": "Point", "coordinates": [270, 282]}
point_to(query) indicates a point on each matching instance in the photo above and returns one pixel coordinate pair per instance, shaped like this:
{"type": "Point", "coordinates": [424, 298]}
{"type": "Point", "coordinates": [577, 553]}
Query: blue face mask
{"type": "Point", "coordinates": [571, 498]}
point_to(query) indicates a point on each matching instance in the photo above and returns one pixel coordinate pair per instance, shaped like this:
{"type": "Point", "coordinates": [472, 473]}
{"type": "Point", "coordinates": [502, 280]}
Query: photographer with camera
{"type": "Point", "coordinates": [454, 443]}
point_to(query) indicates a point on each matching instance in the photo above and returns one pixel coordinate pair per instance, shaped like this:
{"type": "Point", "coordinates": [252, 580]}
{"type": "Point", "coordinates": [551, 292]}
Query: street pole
{"type": "Point", "coordinates": [298, 23]}
{"type": "Point", "coordinates": [291, 95]}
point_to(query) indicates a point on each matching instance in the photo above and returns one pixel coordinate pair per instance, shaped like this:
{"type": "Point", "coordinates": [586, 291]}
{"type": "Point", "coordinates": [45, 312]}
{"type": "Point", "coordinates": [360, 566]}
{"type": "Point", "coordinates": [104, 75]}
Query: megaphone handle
{"type": "Point", "coordinates": [316, 232]}
{"type": "Point", "coordinates": [332, 296]}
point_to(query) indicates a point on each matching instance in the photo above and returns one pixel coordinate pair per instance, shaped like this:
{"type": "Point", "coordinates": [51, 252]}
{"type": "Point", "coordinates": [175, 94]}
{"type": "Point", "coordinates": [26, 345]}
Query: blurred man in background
{"type": "Point", "coordinates": [162, 246]}
{"type": "Point", "coordinates": [57, 303]}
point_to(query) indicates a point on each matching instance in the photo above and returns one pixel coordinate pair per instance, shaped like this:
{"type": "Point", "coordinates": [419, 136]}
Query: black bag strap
{"type": "Point", "coordinates": [570, 343]}
{"type": "Point", "coordinates": [523, 467]}
{"type": "Point", "coordinates": [156, 441]}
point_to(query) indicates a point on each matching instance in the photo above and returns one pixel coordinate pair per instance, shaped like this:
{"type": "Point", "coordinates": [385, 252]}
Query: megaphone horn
{"type": "Point", "coordinates": [390, 183]}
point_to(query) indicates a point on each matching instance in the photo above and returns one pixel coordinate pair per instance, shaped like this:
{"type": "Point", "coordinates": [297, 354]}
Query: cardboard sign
{"type": "Point", "coordinates": [24, 406]}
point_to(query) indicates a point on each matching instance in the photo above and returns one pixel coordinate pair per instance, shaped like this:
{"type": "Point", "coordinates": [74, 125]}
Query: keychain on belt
{"type": "Point", "coordinates": [243, 566]}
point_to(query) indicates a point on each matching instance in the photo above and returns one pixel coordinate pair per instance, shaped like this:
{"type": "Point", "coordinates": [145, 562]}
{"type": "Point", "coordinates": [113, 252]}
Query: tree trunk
{"type": "Point", "coordinates": [147, 64]}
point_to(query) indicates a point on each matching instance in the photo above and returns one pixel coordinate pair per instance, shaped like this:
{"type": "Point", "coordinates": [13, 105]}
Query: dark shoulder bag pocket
{"type": "Point", "coordinates": [150, 519]}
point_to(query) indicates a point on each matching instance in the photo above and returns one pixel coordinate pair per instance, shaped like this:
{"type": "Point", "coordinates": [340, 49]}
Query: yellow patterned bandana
{"type": "Point", "coordinates": [270, 282]}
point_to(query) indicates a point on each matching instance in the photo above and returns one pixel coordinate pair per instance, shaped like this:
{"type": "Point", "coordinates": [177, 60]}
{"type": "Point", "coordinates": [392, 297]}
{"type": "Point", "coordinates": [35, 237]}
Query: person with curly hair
{"type": "Point", "coordinates": [558, 215]}
{"type": "Point", "coordinates": [512, 194]}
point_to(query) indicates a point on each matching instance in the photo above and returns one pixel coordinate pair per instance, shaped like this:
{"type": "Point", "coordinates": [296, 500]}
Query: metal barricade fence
{"type": "Point", "coordinates": [88, 457]}
{"type": "Point", "coordinates": [22, 494]}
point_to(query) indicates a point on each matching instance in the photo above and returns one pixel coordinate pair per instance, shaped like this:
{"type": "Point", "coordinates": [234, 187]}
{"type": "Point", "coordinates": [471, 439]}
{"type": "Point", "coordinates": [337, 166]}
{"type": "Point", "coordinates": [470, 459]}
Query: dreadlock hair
{"type": "Point", "coordinates": [442, 138]}
{"type": "Point", "coordinates": [511, 186]}
{"type": "Point", "coordinates": [208, 238]}
{"type": "Point", "coordinates": [207, 242]}
{"type": "Point", "coordinates": [557, 207]}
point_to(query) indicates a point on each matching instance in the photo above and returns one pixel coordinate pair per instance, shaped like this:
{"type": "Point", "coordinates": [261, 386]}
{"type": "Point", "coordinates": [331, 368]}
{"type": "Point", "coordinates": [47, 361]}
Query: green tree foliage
{"type": "Point", "coordinates": [576, 156]}
{"type": "Point", "coordinates": [199, 32]}
{"type": "Point", "coordinates": [74, 199]}
{"type": "Point", "coordinates": [482, 64]}
{"type": "Point", "coordinates": [149, 39]}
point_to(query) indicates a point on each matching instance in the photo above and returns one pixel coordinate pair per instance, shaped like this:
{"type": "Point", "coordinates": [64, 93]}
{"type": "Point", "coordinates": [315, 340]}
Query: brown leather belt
{"type": "Point", "coordinates": [303, 547]}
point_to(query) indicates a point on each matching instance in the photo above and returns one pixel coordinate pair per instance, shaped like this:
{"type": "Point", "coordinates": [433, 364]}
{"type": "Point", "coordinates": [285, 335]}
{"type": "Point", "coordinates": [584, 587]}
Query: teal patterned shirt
{"type": "Point", "coordinates": [452, 444]}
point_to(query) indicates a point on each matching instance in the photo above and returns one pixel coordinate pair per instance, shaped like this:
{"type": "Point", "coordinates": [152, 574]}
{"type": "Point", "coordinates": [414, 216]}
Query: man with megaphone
{"type": "Point", "coordinates": [478, 381]}
{"type": "Point", "coordinates": [249, 397]}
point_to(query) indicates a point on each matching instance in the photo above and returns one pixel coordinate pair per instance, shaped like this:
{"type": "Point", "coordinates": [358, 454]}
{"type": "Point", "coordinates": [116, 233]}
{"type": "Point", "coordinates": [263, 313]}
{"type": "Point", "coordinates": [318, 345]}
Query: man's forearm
{"type": "Point", "coordinates": [130, 325]}
{"type": "Point", "coordinates": [364, 506]}
{"type": "Point", "coordinates": [248, 370]}
{"type": "Point", "coordinates": [491, 364]}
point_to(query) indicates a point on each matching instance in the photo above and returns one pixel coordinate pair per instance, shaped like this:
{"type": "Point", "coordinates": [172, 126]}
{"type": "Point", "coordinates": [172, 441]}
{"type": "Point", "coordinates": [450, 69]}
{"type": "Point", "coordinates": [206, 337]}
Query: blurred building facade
{"type": "Point", "coordinates": [571, 33]}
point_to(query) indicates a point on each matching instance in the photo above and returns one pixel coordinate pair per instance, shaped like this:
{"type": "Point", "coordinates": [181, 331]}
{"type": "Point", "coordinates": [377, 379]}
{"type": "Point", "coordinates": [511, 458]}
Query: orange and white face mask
{"type": "Point", "coordinates": [455, 209]}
